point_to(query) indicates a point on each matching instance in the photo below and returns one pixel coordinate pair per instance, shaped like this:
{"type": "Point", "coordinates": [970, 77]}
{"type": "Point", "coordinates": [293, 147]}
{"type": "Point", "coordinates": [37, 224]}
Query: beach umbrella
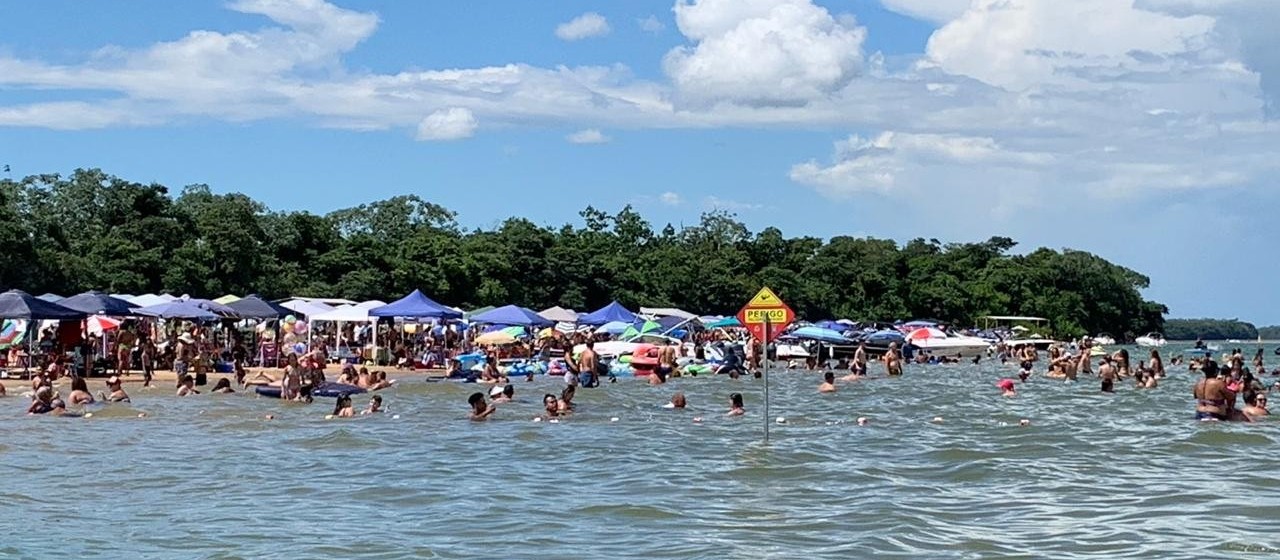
{"type": "Point", "coordinates": [227, 299]}
{"type": "Point", "coordinates": [495, 338]}
{"type": "Point", "coordinates": [725, 323]}
{"type": "Point", "coordinates": [614, 328]}
{"type": "Point", "coordinates": [50, 297]}
{"type": "Point", "coordinates": [12, 331]}
{"type": "Point", "coordinates": [98, 324]}
{"type": "Point", "coordinates": [98, 303]}
{"type": "Point", "coordinates": [212, 306]}
{"type": "Point", "coordinates": [637, 330]}
{"type": "Point", "coordinates": [17, 304]}
{"type": "Point", "coordinates": [925, 333]}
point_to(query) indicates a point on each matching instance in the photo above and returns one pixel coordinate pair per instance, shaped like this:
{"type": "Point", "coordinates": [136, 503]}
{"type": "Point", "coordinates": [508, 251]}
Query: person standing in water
{"type": "Point", "coordinates": [1157, 364]}
{"type": "Point", "coordinates": [588, 364]}
{"type": "Point", "coordinates": [1212, 395]}
{"type": "Point", "coordinates": [828, 383]}
{"type": "Point", "coordinates": [480, 410]}
{"type": "Point", "coordinates": [1107, 371]}
{"type": "Point", "coordinates": [892, 360]}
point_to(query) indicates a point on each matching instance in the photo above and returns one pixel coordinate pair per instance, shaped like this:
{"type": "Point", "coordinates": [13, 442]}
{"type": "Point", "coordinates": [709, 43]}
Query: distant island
{"type": "Point", "coordinates": [95, 231]}
{"type": "Point", "coordinates": [1211, 329]}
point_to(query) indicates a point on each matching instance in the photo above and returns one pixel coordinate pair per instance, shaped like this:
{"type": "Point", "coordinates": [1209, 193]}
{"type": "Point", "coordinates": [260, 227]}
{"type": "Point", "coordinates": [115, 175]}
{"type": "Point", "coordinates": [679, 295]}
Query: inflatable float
{"type": "Point", "coordinates": [324, 390]}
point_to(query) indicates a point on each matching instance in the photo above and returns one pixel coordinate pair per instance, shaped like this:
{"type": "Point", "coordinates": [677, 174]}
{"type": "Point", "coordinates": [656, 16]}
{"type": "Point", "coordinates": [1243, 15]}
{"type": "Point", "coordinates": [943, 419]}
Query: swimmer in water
{"type": "Point", "coordinates": [828, 383]}
{"type": "Point", "coordinates": [1257, 408]}
{"type": "Point", "coordinates": [42, 402]}
{"type": "Point", "coordinates": [1007, 388]}
{"type": "Point", "coordinates": [343, 408]}
{"type": "Point", "coordinates": [677, 401]}
{"type": "Point", "coordinates": [80, 395]}
{"type": "Point", "coordinates": [497, 394]}
{"type": "Point", "coordinates": [115, 391]}
{"type": "Point", "coordinates": [1107, 372]}
{"type": "Point", "coordinates": [223, 386]}
{"type": "Point", "coordinates": [375, 405]}
{"type": "Point", "coordinates": [565, 405]}
{"type": "Point", "coordinates": [735, 405]}
{"type": "Point", "coordinates": [480, 410]}
{"type": "Point", "coordinates": [187, 386]}
{"type": "Point", "coordinates": [550, 406]}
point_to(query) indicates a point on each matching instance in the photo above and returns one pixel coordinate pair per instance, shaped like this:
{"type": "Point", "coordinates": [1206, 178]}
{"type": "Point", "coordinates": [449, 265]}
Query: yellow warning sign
{"type": "Point", "coordinates": [775, 315]}
{"type": "Point", "coordinates": [765, 298]}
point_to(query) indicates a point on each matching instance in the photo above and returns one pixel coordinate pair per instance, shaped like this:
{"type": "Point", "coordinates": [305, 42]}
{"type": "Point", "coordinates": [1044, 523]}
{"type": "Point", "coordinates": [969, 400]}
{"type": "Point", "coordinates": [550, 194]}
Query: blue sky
{"type": "Point", "coordinates": [1135, 129]}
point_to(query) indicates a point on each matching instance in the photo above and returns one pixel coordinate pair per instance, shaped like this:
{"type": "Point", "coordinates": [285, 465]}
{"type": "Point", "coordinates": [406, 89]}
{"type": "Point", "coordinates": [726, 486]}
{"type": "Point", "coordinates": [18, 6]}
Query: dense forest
{"type": "Point", "coordinates": [91, 230]}
{"type": "Point", "coordinates": [1269, 333]}
{"type": "Point", "coordinates": [1209, 329]}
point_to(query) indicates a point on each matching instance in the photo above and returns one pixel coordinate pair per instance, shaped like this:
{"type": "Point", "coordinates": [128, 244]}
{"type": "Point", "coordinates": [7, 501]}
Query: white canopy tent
{"type": "Point", "coordinates": [357, 313]}
{"type": "Point", "coordinates": [667, 312]}
{"type": "Point", "coordinates": [307, 308]}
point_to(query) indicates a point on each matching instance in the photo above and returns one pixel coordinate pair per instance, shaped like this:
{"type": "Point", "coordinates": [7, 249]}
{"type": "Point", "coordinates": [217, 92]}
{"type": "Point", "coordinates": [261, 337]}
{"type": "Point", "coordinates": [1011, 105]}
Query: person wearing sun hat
{"type": "Point", "coordinates": [115, 391]}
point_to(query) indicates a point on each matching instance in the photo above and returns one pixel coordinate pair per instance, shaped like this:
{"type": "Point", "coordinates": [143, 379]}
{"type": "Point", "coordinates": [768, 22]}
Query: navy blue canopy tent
{"type": "Point", "coordinates": [179, 309]}
{"type": "Point", "coordinates": [415, 305]}
{"type": "Point", "coordinates": [17, 304]}
{"type": "Point", "coordinates": [608, 314]}
{"type": "Point", "coordinates": [98, 303]}
{"type": "Point", "coordinates": [254, 307]}
{"type": "Point", "coordinates": [511, 315]}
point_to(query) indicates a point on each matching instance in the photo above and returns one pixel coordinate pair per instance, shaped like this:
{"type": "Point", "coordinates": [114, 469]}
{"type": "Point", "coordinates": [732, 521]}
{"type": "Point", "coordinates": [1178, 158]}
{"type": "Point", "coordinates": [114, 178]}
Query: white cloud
{"type": "Point", "coordinates": [670, 199]}
{"type": "Point", "coordinates": [585, 26]}
{"type": "Point", "coordinates": [651, 24]}
{"type": "Point", "coordinates": [588, 136]}
{"type": "Point", "coordinates": [447, 124]}
{"type": "Point", "coordinates": [936, 11]}
{"type": "Point", "coordinates": [717, 203]}
{"type": "Point", "coordinates": [1026, 44]}
{"type": "Point", "coordinates": [762, 52]}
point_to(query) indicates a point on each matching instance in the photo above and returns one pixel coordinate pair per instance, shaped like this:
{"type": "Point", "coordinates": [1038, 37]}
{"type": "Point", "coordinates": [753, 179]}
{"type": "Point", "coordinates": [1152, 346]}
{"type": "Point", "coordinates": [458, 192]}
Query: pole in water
{"type": "Point", "coordinates": [764, 350]}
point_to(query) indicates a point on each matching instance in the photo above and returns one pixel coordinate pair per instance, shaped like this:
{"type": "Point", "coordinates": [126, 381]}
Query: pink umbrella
{"type": "Point", "coordinates": [98, 324]}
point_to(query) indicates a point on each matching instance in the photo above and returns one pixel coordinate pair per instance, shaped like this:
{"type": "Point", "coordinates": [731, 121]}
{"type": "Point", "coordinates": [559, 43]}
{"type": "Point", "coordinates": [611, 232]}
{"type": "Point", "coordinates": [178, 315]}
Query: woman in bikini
{"type": "Point", "coordinates": [1212, 396]}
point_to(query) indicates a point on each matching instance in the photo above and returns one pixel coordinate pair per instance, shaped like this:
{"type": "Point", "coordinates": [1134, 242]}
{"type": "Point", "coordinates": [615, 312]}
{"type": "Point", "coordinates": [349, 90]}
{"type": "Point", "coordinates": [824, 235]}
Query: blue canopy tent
{"type": "Point", "coordinates": [179, 309]}
{"type": "Point", "coordinates": [608, 314]}
{"type": "Point", "coordinates": [511, 315]}
{"type": "Point", "coordinates": [254, 307]}
{"type": "Point", "coordinates": [98, 303]}
{"type": "Point", "coordinates": [415, 305]}
{"type": "Point", "coordinates": [17, 304]}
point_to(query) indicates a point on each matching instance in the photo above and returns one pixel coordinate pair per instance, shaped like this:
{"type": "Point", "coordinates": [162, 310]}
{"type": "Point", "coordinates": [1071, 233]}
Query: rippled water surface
{"type": "Point", "coordinates": [1101, 476]}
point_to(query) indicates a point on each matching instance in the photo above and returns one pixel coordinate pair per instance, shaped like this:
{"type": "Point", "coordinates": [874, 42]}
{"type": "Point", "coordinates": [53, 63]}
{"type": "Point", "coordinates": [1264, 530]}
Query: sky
{"type": "Point", "coordinates": [1140, 130]}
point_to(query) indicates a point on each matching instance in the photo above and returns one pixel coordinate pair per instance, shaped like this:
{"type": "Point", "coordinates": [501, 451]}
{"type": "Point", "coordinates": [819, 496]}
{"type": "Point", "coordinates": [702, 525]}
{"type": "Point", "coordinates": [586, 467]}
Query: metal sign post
{"type": "Point", "coordinates": [764, 349]}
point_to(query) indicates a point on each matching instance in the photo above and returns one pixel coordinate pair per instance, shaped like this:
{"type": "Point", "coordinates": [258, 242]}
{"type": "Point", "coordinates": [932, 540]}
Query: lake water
{"type": "Point", "coordinates": [1095, 476]}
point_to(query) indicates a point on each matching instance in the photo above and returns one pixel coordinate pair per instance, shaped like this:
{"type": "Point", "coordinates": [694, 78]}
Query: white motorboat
{"type": "Point", "coordinates": [1035, 340]}
{"type": "Point", "coordinates": [1104, 339]}
{"type": "Point", "coordinates": [1151, 340]}
{"type": "Point", "coordinates": [941, 343]}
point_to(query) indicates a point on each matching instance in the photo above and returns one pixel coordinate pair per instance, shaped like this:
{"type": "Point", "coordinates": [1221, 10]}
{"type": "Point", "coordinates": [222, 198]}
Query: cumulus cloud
{"type": "Point", "coordinates": [670, 199]}
{"type": "Point", "coordinates": [762, 52]}
{"type": "Point", "coordinates": [588, 136]}
{"type": "Point", "coordinates": [454, 123]}
{"type": "Point", "coordinates": [936, 11]}
{"type": "Point", "coordinates": [1025, 44]}
{"type": "Point", "coordinates": [585, 26]}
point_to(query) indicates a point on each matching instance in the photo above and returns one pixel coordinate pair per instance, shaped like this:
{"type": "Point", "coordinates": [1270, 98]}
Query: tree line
{"type": "Point", "coordinates": [92, 230]}
{"type": "Point", "coordinates": [1209, 329]}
